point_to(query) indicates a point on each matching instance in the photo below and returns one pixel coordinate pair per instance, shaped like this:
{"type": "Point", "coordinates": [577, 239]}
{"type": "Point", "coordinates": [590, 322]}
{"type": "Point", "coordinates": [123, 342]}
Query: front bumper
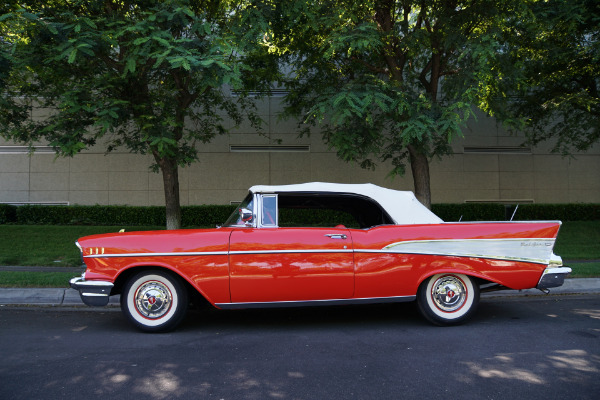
{"type": "Point", "coordinates": [93, 293]}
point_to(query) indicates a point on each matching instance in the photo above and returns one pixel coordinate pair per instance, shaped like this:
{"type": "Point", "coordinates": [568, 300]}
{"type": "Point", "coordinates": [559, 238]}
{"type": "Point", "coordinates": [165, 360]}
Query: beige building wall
{"type": "Point", "coordinates": [487, 165]}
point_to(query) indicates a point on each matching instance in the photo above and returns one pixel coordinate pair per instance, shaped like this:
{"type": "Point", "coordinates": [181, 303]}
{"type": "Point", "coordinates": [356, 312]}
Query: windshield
{"type": "Point", "coordinates": [234, 219]}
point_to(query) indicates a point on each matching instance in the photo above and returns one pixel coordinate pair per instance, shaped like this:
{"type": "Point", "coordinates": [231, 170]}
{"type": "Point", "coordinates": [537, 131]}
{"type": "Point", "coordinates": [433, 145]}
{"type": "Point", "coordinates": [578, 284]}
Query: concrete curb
{"type": "Point", "coordinates": [45, 297]}
{"type": "Point", "coordinates": [70, 297]}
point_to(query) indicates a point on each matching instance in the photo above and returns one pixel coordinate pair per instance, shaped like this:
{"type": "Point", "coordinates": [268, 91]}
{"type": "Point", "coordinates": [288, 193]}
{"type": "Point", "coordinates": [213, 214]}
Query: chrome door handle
{"type": "Point", "coordinates": [336, 236]}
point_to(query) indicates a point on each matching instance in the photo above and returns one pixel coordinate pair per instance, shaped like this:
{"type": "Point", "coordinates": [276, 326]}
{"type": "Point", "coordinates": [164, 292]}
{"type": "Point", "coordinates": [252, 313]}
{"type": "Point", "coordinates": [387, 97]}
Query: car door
{"type": "Point", "coordinates": [273, 264]}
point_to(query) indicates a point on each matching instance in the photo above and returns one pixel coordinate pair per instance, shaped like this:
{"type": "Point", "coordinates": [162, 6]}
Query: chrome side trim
{"type": "Point", "coordinates": [217, 253]}
{"type": "Point", "coordinates": [183, 254]}
{"type": "Point", "coordinates": [327, 251]}
{"type": "Point", "coordinates": [311, 303]}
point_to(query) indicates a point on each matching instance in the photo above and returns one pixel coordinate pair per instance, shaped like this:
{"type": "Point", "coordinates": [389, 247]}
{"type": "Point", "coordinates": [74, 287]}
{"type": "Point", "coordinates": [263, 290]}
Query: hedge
{"type": "Point", "coordinates": [211, 215]}
{"type": "Point", "coordinates": [470, 212]}
{"type": "Point", "coordinates": [117, 215]}
{"type": "Point", "coordinates": [524, 212]}
{"type": "Point", "coordinates": [8, 213]}
{"type": "Point", "coordinates": [563, 212]}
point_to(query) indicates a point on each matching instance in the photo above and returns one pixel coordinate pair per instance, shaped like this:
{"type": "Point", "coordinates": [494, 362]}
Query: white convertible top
{"type": "Point", "coordinates": [402, 206]}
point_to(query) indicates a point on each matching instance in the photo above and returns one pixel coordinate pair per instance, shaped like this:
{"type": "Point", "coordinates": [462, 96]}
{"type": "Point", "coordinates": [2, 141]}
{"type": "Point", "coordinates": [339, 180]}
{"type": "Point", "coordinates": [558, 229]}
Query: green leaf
{"type": "Point", "coordinates": [185, 64]}
{"type": "Point", "coordinates": [72, 56]}
{"type": "Point", "coordinates": [90, 23]}
{"type": "Point", "coordinates": [130, 66]}
{"type": "Point", "coordinates": [161, 41]}
{"type": "Point", "coordinates": [139, 41]}
{"type": "Point", "coordinates": [188, 12]}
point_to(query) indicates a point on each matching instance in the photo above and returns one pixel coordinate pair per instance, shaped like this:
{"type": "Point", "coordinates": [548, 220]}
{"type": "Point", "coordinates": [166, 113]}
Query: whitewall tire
{"type": "Point", "coordinates": [448, 299]}
{"type": "Point", "coordinates": [154, 301]}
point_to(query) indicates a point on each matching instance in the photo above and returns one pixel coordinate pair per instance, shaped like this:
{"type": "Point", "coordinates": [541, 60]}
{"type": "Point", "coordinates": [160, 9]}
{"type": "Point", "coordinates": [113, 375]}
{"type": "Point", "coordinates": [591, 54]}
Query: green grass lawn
{"type": "Point", "coordinates": [39, 245]}
{"type": "Point", "coordinates": [579, 240]}
{"type": "Point", "coordinates": [42, 245]}
{"type": "Point", "coordinates": [35, 279]}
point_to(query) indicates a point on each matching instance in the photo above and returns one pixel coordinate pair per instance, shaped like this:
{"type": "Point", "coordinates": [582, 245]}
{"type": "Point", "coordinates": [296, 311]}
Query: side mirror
{"type": "Point", "coordinates": [246, 216]}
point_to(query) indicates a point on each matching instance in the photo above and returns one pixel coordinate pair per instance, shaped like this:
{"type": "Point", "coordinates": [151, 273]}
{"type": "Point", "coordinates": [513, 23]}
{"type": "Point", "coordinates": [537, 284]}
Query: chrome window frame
{"type": "Point", "coordinates": [259, 204]}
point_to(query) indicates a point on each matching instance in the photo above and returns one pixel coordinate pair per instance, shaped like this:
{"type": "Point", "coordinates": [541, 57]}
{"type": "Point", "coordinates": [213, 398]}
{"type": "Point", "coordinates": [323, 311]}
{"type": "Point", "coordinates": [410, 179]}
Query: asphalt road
{"type": "Point", "coordinates": [515, 348]}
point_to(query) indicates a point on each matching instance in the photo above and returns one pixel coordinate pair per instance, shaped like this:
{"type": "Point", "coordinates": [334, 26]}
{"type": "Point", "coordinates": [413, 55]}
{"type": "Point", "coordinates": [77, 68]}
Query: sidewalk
{"type": "Point", "coordinates": [70, 297]}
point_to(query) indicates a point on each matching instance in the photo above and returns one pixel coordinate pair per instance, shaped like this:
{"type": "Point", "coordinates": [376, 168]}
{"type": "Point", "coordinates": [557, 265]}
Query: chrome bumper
{"type": "Point", "coordinates": [93, 293]}
{"type": "Point", "coordinates": [553, 277]}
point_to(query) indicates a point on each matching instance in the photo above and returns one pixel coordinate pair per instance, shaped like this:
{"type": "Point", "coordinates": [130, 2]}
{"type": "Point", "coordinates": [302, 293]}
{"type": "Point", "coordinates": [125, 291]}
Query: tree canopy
{"type": "Point", "coordinates": [397, 79]}
{"type": "Point", "coordinates": [388, 80]}
{"type": "Point", "coordinates": [151, 77]}
{"type": "Point", "coordinates": [383, 80]}
{"type": "Point", "coordinates": [551, 74]}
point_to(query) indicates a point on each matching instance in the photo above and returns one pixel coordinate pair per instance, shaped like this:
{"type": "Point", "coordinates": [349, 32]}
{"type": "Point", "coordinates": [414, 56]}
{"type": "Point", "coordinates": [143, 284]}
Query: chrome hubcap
{"type": "Point", "coordinates": [153, 299]}
{"type": "Point", "coordinates": [448, 293]}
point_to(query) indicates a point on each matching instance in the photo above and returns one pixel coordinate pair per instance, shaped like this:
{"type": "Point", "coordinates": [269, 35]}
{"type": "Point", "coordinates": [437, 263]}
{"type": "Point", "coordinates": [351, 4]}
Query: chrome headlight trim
{"type": "Point", "coordinates": [80, 251]}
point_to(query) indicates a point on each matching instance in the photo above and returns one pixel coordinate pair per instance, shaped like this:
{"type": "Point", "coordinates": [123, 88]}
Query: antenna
{"type": "Point", "coordinates": [514, 212]}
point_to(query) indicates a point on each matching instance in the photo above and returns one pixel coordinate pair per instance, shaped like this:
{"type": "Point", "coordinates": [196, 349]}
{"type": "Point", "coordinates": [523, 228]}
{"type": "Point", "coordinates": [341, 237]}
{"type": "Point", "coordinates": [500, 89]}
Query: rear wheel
{"type": "Point", "coordinates": [154, 301]}
{"type": "Point", "coordinates": [448, 299]}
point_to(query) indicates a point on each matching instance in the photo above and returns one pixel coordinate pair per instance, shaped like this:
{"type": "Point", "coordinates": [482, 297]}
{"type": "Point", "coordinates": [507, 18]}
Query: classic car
{"type": "Point", "coordinates": [362, 244]}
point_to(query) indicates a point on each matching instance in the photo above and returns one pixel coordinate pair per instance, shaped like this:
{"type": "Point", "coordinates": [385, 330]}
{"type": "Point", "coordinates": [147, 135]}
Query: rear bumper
{"type": "Point", "coordinates": [553, 277]}
{"type": "Point", "coordinates": [93, 293]}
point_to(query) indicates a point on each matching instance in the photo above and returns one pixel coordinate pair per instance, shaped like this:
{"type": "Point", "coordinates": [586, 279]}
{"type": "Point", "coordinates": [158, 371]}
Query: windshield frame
{"type": "Point", "coordinates": [235, 220]}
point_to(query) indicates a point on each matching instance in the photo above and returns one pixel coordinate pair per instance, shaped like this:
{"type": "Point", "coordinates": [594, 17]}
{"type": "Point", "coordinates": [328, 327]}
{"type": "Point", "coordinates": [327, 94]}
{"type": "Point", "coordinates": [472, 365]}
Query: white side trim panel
{"type": "Point", "coordinates": [528, 250]}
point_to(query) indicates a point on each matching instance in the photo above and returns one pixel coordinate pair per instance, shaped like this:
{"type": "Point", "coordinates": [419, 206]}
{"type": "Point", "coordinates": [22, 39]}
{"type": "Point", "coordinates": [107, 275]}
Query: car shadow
{"type": "Point", "coordinates": [404, 314]}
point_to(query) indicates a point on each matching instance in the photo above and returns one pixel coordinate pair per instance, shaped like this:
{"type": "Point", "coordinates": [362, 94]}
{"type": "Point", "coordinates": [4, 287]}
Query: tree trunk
{"type": "Point", "coordinates": [170, 175]}
{"type": "Point", "coordinates": [419, 165]}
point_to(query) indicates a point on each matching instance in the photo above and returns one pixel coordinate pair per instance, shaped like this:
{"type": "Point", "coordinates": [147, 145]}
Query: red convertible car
{"type": "Point", "coordinates": [384, 247]}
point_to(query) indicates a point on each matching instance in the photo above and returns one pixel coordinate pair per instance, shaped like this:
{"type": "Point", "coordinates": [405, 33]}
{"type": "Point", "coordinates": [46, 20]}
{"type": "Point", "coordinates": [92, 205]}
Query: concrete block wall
{"type": "Point", "coordinates": [222, 176]}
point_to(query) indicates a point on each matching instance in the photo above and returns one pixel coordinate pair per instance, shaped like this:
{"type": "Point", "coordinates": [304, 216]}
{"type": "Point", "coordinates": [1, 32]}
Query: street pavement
{"type": "Point", "coordinates": [70, 297]}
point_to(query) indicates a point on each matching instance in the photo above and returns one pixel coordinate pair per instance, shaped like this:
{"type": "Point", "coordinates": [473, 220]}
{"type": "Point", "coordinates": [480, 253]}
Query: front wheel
{"type": "Point", "coordinates": [154, 301]}
{"type": "Point", "coordinates": [448, 299]}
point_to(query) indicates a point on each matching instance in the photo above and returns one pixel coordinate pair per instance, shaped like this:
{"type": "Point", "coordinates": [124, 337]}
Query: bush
{"type": "Point", "coordinates": [470, 212]}
{"type": "Point", "coordinates": [8, 213]}
{"type": "Point", "coordinates": [205, 215]}
{"type": "Point", "coordinates": [525, 212]}
{"type": "Point", "coordinates": [90, 215]}
{"type": "Point", "coordinates": [117, 215]}
{"type": "Point", "coordinates": [563, 212]}
{"type": "Point", "coordinates": [324, 218]}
